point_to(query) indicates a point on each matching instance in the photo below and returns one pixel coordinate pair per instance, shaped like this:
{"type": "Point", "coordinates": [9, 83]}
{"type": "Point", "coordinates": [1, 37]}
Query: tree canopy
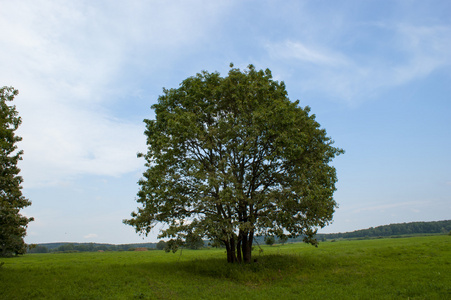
{"type": "Point", "coordinates": [232, 157]}
{"type": "Point", "coordinates": [12, 224]}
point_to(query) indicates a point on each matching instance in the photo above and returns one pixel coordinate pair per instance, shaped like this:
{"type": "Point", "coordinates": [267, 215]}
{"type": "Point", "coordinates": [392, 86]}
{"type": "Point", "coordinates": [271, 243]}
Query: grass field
{"type": "Point", "coordinates": [402, 268]}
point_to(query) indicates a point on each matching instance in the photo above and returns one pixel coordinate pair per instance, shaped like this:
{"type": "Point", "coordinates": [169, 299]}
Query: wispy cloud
{"type": "Point", "coordinates": [70, 63]}
{"type": "Point", "coordinates": [426, 49]}
{"type": "Point", "coordinates": [410, 52]}
{"type": "Point", "coordinates": [300, 51]}
{"type": "Point", "coordinates": [90, 236]}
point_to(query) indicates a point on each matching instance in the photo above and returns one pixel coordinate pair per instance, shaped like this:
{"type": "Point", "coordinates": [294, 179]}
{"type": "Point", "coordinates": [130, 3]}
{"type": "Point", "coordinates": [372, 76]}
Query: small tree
{"type": "Point", "coordinates": [283, 239]}
{"type": "Point", "coordinates": [38, 249]}
{"type": "Point", "coordinates": [66, 247]}
{"type": "Point", "coordinates": [230, 158]}
{"type": "Point", "coordinates": [13, 225]}
{"type": "Point", "coordinates": [161, 245]}
{"type": "Point", "coordinates": [194, 241]}
{"type": "Point", "coordinates": [81, 248]}
{"type": "Point", "coordinates": [270, 240]}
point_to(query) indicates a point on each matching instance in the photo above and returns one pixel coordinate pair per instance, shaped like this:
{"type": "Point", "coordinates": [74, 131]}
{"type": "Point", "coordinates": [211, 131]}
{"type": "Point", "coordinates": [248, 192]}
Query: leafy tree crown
{"type": "Point", "coordinates": [230, 157]}
{"type": "Point", "coordinates": [12, 224]}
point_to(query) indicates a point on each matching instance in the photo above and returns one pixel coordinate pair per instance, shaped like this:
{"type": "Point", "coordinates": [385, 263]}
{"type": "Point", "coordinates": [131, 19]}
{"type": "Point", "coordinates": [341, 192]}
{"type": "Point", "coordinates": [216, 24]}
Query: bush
{"type": "Point", "coordinates": [270, 240]}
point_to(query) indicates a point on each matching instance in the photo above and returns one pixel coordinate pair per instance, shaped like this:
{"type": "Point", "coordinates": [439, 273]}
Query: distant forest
{"type": "Point", "coordinates": [392, 230]}
{"type": "Point", "coordinates": [87, 247]}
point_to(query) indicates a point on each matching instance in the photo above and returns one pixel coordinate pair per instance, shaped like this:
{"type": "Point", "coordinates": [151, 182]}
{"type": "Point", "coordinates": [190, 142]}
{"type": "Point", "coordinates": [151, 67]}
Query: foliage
{"type": "Point", "coordinates": [66, 247]}
{"type": "Point", "coordinates": [13, 225]}
{"type": "Point", "coordinates": [415, 268]}
{"type": "Point", "coordinates": [283, 239]}
{"type": "Point", "coordinates": [394, 229]}
{"type": "Point", "coordinates": [231, 158]}
{"type": "Point", "coordinates": [194, 242]}
{"type": "Point", "coordinates": [38, 249]}
{"type": "Point", "coordinates": [91, 247]}
{"type": "Point", "coordinates": [161, 245]}
{"type": "Point", "coordinates": [270, 240]}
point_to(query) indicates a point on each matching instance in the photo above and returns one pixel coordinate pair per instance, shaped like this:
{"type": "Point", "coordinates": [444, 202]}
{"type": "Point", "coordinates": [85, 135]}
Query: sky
{"type": "Point", "coordinates": [377, 75]}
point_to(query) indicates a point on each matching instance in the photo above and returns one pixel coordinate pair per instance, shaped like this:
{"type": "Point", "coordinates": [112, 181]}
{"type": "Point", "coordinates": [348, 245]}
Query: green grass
{"type": "Point", "coordinates": [403, 268]}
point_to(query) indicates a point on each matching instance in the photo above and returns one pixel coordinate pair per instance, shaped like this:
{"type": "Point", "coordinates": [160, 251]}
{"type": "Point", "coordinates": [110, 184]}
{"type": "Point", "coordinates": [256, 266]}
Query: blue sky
{"type": "Point", "coordinates": [376, 74]}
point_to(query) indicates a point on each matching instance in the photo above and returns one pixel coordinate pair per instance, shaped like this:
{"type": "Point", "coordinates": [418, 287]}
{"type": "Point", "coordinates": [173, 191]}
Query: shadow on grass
{"type": "Point", "coordinates": [267, 267]}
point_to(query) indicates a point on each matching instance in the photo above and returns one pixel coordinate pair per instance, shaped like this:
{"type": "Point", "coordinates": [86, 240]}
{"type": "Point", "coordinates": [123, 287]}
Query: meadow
{"type": "Point", "coordinates": [389, 268]}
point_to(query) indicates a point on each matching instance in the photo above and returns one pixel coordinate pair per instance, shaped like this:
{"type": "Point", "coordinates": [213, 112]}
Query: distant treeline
{"type": "Point", "coordinates": [87, 247]}
{"type": "Point", "coordinates": [380, 231]}
{"type": "Point", "coordinates": [393, 230]}
{"type": "Point", "coordinates": [400, 229]}
{"type": "Point", "coordinates": [94, 247]}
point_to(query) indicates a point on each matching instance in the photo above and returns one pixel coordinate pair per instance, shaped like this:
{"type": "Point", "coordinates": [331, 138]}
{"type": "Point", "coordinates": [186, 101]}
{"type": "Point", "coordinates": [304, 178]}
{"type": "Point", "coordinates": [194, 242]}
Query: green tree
{"type": "Point", "coordinates": [194, 241]}
{"type": "Point", "coordinates": [270, 240]}
{"type": "Point", "coordinates": [231, 158]}
{"type": "Point", "coordinates": [161, 245]}
{"type": "Point", "coordinates": [38, 249]}
{"type": "Point", "coordinates": [66, 247]}
{"type": "Point", "coordinates": [283, 239]}
{"type": "Point", "coordinates": [13, 225]}
{"type": "Point", "coordinates": [101, 247]}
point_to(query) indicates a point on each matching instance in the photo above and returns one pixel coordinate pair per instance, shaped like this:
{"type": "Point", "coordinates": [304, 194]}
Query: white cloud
{"type": "Point", "coordinates": [90, 236]}
{"type": "Point", "coordinates": [426, 49]}
{"type": "Point", "coordinates": [75, 142]}
{"type": "Point", "coordinates": [299, 51]}
{"type": "Point", "coordinates": [70, 63]}
{"type": "Point", "coordinates": [61, 72]}
{"type": "Point", "coordinates": [409, 53]}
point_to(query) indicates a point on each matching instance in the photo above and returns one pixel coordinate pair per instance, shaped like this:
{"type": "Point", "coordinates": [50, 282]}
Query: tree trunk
{"type": "Point", "coordinates": [247, 247]}
{"type": "Point", "coordinates": [231, 250]}
{"type": "Point", "coordinates": [240, 250]}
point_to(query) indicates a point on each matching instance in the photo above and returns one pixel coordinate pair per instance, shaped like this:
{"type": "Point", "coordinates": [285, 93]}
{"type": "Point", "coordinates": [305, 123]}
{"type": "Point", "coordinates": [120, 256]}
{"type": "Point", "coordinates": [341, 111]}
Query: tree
{"type": "Point", "coordinates": [101, 248]}
{"type": "Point", "coordinates": [231, 158]}
{"type": "Point", "coordinates": [66, 247]}
{"type": "Point", "coordinates": [193, 241]}
{"type": "Point", "coordinates": [38, 249]}
{"type": "Point", "coordinates": [161, 245]}
{"type": "Point", "coordinates": [270, 240]}
{"type": "Point", "coordinates": [81, 248]}
{"type": "Point", "coordinates": [283, 239]}
{"type": "Point", "coordinates": [13, 225]}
